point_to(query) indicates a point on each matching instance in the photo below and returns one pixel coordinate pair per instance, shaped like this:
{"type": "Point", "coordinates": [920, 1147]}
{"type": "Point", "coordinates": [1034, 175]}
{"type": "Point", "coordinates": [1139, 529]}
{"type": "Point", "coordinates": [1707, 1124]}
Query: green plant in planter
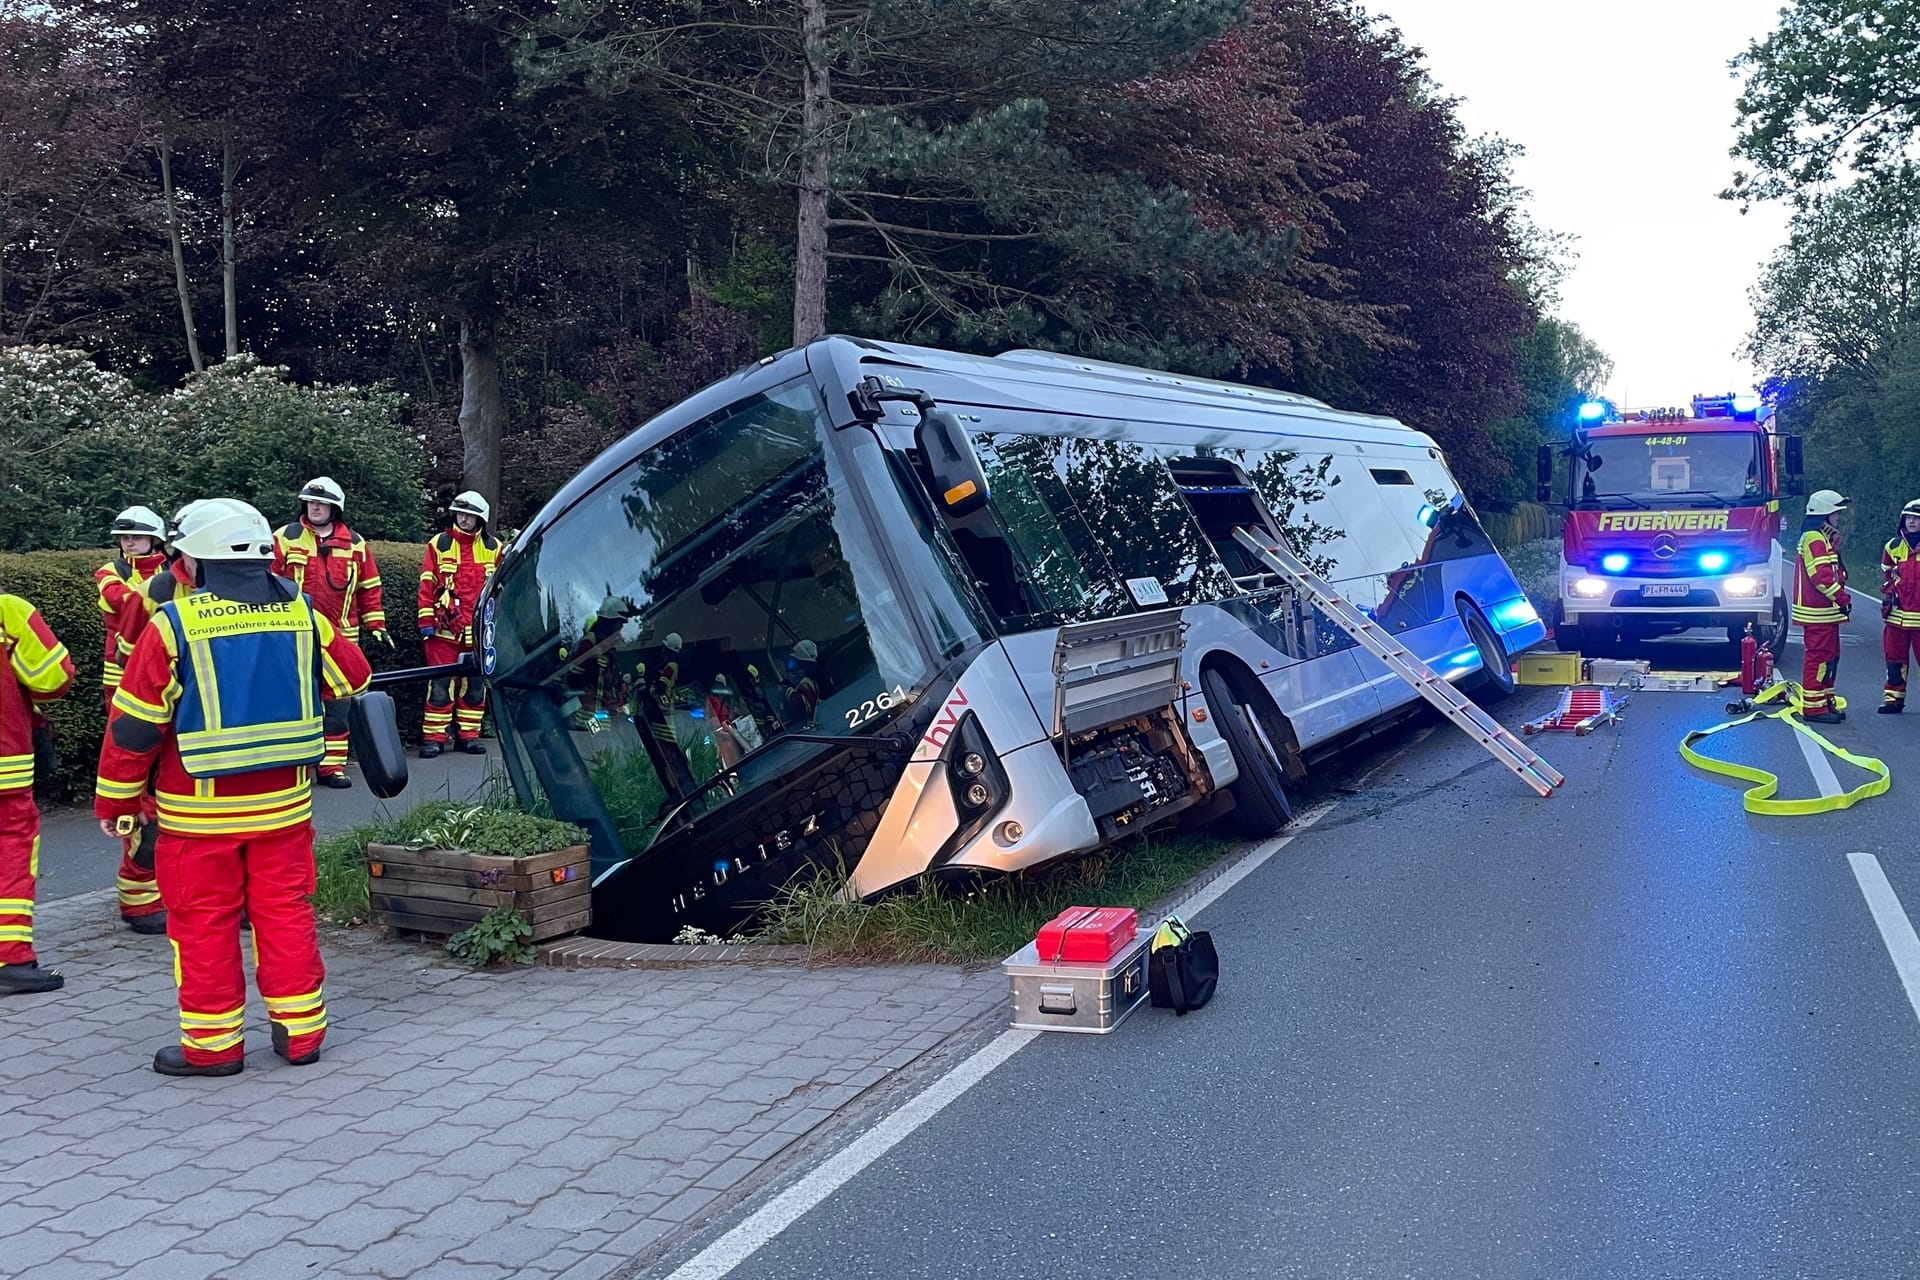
{"type": "Point", "coordinates": [502, 935]}
{"type": "Point", "coordinates": [499, 833]}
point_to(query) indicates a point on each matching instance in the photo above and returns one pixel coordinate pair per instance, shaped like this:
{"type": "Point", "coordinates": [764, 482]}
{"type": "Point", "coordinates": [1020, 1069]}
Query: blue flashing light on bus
{"type": "Point", "coordinates": [1615, 562]}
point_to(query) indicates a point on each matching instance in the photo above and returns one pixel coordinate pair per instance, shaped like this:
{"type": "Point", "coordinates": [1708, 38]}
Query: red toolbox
{"type": "Point", "coordinates": [1087, 935]}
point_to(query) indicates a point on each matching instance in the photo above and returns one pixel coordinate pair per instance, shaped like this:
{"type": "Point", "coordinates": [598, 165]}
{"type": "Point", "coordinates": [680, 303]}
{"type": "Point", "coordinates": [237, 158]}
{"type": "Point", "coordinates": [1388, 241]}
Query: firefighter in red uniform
{"type": "Point", "coordinates": [334, 566]}
{"type": "Point", "coordinates": [34, 668]}
{"type": "Point", "coordinates": [455, 571]}
{"type": "Point", "coordinates": [1900, 606]}
{"type": "Point", "coordinates": [222, 703]}
{"type": "Point", "coordinates": [121, 584]}
{"type": "Point", "coordinates": [1820, 604]}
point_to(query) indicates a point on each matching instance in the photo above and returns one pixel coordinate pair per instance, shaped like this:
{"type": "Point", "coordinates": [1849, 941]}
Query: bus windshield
{"type": "Point", "coordinates": [658, 644]}
{"type": "Point", "coordinates": [1703, 469]}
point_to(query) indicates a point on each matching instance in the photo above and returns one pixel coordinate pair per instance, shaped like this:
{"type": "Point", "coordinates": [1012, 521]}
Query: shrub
{"type": "Point", "coordinates": [60, 584]}
{"type": "Point", "coordinates": [500, 833]}
{"type": "Point", "coordinates": [501, 934]}
{"type": "Point", "coordinates": [83, 444]}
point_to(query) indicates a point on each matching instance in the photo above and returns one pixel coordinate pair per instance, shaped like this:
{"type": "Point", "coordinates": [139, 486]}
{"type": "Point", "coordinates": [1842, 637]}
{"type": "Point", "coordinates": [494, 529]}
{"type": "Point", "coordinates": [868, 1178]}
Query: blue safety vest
{"type": "Point", "coordinates": [249, 686]}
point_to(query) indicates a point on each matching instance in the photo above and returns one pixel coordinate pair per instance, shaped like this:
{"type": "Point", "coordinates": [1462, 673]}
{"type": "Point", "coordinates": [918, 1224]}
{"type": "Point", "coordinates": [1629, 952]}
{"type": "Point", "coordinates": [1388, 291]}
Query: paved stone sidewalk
{"type": "Point", "coordinates": [542, 1122]}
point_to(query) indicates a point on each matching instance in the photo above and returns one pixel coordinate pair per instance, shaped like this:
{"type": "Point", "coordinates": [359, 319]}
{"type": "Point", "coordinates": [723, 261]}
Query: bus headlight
{"type": "Point", "coordinates": [1744, 586]}
{"type": "Point", "coordinates": [1592, 588]}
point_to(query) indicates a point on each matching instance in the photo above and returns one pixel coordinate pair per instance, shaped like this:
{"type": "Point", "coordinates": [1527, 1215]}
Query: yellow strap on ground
{"type": "Point", "coordinates": [1760, 799]}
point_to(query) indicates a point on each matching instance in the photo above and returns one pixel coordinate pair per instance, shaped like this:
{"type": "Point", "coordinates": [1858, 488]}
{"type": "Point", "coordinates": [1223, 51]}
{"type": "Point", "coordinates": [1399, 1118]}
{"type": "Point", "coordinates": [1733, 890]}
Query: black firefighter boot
{"type": "Point", "coordinates": [172, 1061]}
{"type": "Point", "coordinates": [28, 979]}
{"type": "Point", "coordinates": [280, 1042]}
{"type": "Point", "coordinates": [148, 924]}
{"type": "Point", "coordinates": [1894, 699]}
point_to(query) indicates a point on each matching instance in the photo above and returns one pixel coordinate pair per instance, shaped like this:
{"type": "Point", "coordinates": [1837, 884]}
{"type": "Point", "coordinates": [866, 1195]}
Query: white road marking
{"type": "Point", "coordinates": [1863, 595]}
{"type": "Point", "coordinates": [741, 1243]}
{"type": "Point", "coordinates": [1895, 929]}
{"type": "Point", "coordinates": [1817, 761]}
{"type": "Point", "coordinates": [744, 1240]}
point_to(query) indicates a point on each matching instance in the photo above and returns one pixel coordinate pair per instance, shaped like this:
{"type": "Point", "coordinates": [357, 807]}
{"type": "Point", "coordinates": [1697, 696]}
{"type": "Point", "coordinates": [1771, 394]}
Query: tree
{"type": "Point", "coordinates": [1430, 240]}
{"type": "Point", "coordinates": [919, 139]}
{"type": "Point", "coordinates": [67, 141]}
{"type": "Point", "coordinates": [1835, 87]}
{"type": "Point", "coordinates": [1845, 284]}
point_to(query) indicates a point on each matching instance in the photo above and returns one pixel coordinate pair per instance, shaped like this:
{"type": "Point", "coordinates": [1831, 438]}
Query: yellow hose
{"type": "Point", "coordinates": [1760, 798]}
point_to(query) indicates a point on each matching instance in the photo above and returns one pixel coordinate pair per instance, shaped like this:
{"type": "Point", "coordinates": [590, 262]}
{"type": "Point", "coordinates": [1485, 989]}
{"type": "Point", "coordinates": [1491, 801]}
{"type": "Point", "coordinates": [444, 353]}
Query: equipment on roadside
{"type": "Point", "coordinates": [1581, 710]}
{"type": "Point", "coordinates": [1091, 997]}
{"type": "Point", "coordinates": [1184, 968]}
{"type": "Point", "coordinates": [1760, 797]}
{"type": "Point", "coordinates": [1492, 736]}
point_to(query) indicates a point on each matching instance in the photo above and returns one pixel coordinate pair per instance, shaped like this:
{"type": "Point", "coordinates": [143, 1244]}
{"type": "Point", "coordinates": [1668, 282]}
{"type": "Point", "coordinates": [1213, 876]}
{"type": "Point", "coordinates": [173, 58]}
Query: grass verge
{"type": "Point", "coordinates": [933, 925]}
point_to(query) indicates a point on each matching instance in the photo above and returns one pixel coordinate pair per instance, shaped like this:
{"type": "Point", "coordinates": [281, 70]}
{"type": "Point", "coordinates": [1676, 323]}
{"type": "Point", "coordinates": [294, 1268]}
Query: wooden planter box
{"type": "Point", "coordinates": [444, 890]}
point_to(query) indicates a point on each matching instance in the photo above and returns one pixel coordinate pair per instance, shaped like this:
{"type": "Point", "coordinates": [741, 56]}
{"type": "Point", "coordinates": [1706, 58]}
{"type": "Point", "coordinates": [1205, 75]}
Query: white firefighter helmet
{"type": "Point", "coordinates": [472, 504]}
{"type": "Point", "coordinates": [613, 607]}
{"type": "Point", "coordinates": [1825, 502]}
{"type": "Point", "coordinates": [806, 651]}
{"type": "Point", "coordinates": [1911, 509]}
{"type": "Point", "coordinates": [139, 521]}
{"type": "Point", "coordinates": [224, 529]}
{"type": "Point", "coordinates": [325, 489]}
{"type": "Point", "coordinates": [182, 516]}
{"type": "Point", "coordinates": [673, 642]}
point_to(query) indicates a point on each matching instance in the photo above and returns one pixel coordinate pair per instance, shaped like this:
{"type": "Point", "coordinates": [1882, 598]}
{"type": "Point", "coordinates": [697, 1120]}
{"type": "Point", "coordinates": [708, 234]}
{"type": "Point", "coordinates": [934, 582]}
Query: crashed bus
{"type": "Point", "coordinates": [914, 613]}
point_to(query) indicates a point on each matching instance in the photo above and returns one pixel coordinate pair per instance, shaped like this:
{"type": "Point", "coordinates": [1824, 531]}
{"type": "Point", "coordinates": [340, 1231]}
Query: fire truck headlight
{"type": "Point", "coordinates": [1745, 586]}
{"type": "Point", "coordinates": [1590, 587]}
{"type": "Point", "coordinates": [1614, 562]}
{"type": "Point", "coordinates": [1713, 561]}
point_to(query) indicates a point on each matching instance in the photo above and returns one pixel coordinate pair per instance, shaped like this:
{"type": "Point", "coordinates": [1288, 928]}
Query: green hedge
{"type": "Point", "coordinates": [60, 583]}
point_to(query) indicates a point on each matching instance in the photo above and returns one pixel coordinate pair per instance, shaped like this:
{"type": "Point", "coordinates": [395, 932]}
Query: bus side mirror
{"type": "Point", "coordinates": [959, 482]}
{"type": "Point", "coordinates": [1543, 474]}
{"type": "Point", "coordinates": [1796, 476]}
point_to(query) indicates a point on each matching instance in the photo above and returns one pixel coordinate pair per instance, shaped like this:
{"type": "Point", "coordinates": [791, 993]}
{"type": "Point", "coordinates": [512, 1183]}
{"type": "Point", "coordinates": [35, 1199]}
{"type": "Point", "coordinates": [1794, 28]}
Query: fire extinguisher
{"type": "Point", "coordinates": [1763, 676]}
{"type": "Point", "coordinates": [1749, 664]}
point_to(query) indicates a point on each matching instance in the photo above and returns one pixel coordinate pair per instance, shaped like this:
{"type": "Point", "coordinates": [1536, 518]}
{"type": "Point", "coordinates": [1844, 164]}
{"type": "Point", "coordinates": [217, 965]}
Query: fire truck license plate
{"type": "Point", "coordinates": [1667, 589]}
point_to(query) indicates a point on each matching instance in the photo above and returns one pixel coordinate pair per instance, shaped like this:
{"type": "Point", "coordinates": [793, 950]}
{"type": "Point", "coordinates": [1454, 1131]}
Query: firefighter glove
{"type": "Point", "coordinates": [1886, 608]}
{"type": "Point", "coordinates": [426, 633]}
{"type": "Point", "coordinates": [386, 637]}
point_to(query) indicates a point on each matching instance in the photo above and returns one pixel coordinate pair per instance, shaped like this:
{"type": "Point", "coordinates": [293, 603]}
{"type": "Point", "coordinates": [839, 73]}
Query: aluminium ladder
{"type": "Point", "coordinates": [1492, 736]}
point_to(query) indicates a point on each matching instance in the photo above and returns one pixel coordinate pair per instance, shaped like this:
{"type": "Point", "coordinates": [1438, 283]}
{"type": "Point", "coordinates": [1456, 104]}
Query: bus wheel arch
{"type": "Point", "coordinates": [1495, 680]}
{"type": "Point", "coordinates": [1261, 739]}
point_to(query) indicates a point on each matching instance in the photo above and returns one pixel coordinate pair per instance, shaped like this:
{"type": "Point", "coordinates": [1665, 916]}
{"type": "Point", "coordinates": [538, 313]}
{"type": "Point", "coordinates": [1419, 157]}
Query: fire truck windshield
{"type": "Point", "coordinates": [1701, 469]}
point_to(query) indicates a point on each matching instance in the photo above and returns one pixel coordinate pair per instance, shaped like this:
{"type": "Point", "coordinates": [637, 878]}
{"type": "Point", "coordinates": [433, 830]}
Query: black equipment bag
{"type": "Point", "coordinates": [373, 731]}
{"type": "Point", "coordinates": [1183, 968]}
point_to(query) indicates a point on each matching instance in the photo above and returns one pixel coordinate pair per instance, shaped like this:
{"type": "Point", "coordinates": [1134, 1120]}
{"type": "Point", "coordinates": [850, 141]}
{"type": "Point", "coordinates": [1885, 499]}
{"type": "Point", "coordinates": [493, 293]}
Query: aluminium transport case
{"type": "Point", "coordinates": [1089, 998]}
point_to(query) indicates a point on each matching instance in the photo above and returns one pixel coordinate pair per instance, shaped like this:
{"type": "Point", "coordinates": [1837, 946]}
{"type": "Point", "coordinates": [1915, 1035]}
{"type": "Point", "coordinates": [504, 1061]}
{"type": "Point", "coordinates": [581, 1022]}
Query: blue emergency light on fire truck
{"type": "Point", "coordinates": [915, 613]}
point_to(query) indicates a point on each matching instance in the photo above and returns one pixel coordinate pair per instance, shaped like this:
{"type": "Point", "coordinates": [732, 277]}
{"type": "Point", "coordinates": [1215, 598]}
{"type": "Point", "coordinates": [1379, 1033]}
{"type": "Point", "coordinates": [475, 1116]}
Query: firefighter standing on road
{"type": "Point", "coordinates": [222, 704]}
{"type": "Point", "coordinates": [1900, 606]}
{"type": "Point", "coordinates": [34, 668]}
{"type": "Point", "coordinates": [121, 583]}
{"type": "Point", "coordinates": [334, 566]}
{"type": "Point", "coordinates": [457, 566]}
{"type": "Point", "coordinates": [1820, 604]}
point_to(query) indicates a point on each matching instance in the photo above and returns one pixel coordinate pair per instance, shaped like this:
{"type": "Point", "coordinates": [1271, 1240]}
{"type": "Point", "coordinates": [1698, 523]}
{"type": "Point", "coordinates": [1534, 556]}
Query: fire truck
{"type": "Point", "coordinates": [1673, 522]}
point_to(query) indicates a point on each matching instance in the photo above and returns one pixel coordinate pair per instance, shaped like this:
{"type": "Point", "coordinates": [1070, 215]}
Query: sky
{"type": "Point", "coordinates": [1626, 111]}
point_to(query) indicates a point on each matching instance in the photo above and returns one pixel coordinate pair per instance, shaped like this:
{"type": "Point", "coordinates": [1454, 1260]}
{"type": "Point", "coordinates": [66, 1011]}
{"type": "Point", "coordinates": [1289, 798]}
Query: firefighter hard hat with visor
{"type": "Point", "coordinates": [472, 504]}
{"type": "Point", "coordinates": [1911, 509]}
{"type": "Point", "coordinates": [1826, 502]}
{"type": "Point", "coordinates": [137, 521]}
{"type": "Point", "coordinates": [324, 489]}
{"type": "Point", "coordinates": [224, 529]}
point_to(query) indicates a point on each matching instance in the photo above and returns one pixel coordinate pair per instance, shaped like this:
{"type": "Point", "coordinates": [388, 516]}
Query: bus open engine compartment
{"type": "Point", "coordinates": [1116, 685]}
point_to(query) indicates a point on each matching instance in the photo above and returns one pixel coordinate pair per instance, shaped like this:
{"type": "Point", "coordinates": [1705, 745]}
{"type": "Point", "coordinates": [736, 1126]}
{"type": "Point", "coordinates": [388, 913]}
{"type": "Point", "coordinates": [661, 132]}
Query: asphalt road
{"type": "Point", "coordinates": [1463, 1032]}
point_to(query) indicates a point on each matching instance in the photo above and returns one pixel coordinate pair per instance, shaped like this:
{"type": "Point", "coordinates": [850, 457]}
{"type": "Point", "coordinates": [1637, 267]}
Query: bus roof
{"type": "Point", "coordinates": [1041, 381]}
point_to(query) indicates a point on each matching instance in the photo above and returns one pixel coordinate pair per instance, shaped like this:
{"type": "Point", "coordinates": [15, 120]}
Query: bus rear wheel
{"type": "Point", "coordinates": [1259, 794]}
